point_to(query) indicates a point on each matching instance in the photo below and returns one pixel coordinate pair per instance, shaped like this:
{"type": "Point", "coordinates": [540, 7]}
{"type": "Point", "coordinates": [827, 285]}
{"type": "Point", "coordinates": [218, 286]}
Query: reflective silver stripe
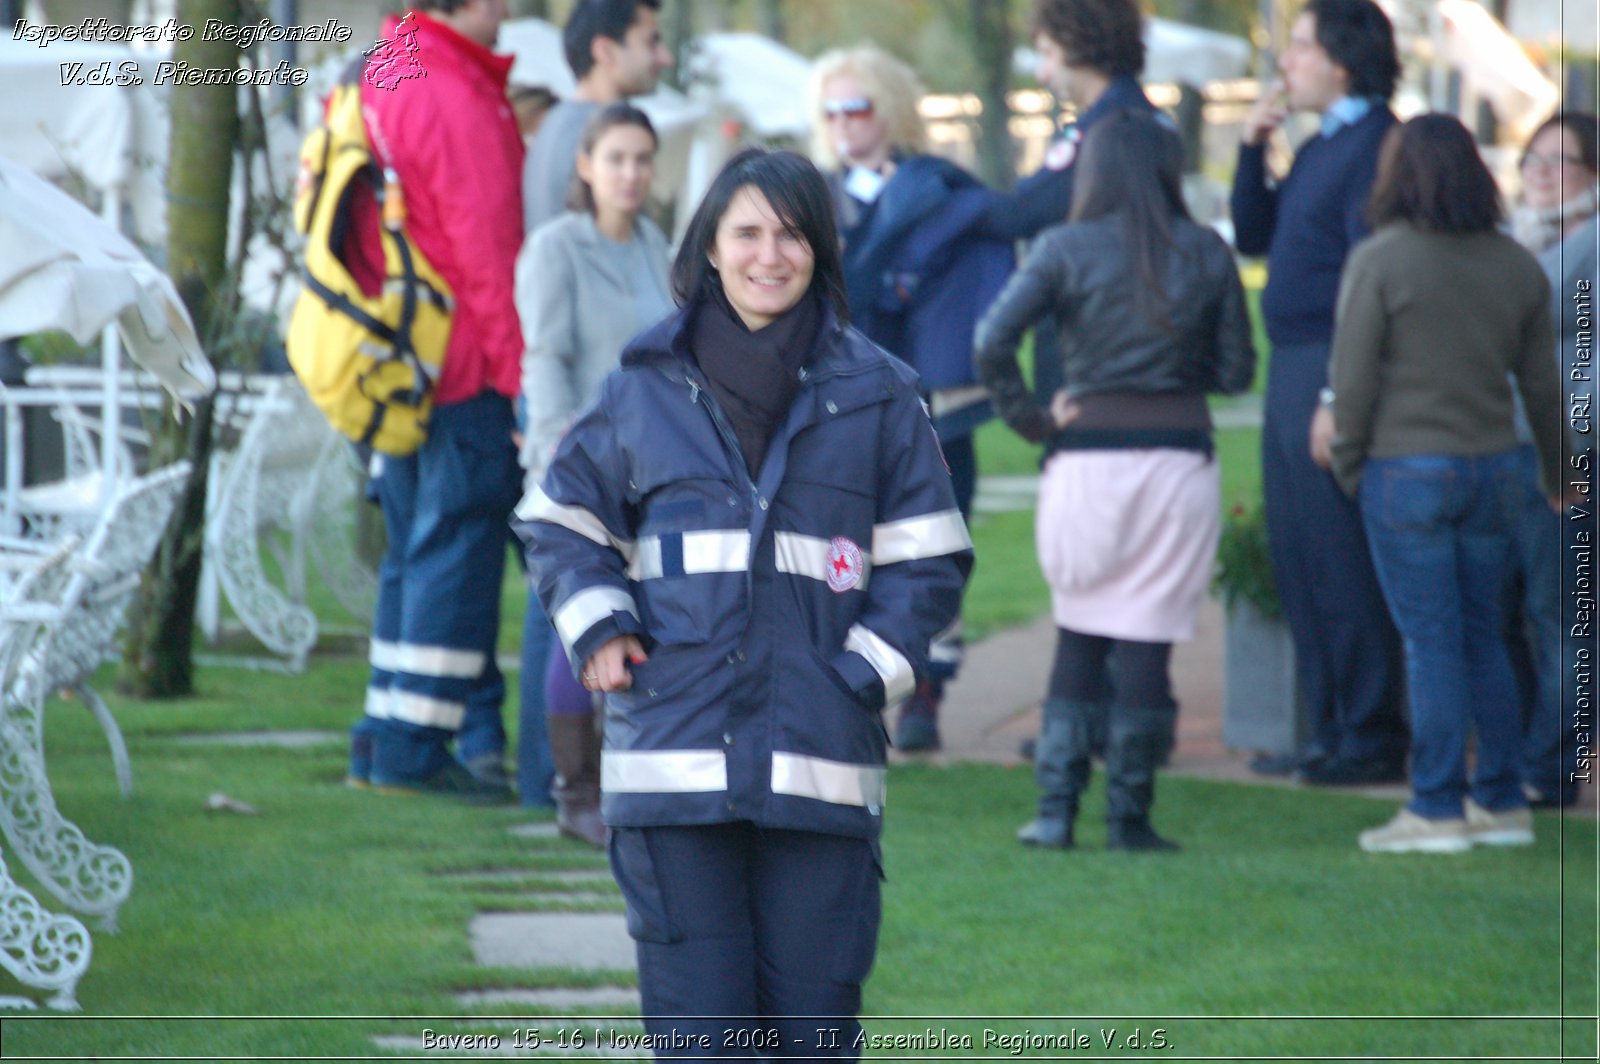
{"type": "Point", "coordinates": [808, 556]}
{"type": "Point", "coordinates": [537, 506]}
{"type": "Point", "coordinates": [377, 705]}
{"type": "Point", "coordinates": [929, 536]}
{"type": "Point", "coordinates": [838, 782]}
{"type": "Point", "coordinates": [947, 647]}
{"type": "Point", "coordinates": [588, 608]}
{"type": "Point", "coordinates": [890, 664]}
{"type": "Point", "coordinates": [421, 709]}
{"type": "Point", "coordinates": [381, 654]}
{"type": "Point", "coordinates": [447, 662]}
{"type": "Point", "coordinates": [663, 771]}
{"type": "Point", "coordinates": [716, 551]}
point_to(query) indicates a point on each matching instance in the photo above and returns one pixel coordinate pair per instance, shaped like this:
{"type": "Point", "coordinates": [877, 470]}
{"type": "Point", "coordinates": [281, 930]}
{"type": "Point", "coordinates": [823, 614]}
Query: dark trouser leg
{"type": "Point", "coordinates": [394, 485]}
{"type": "Point", "coordinates": [918, 726]}
{"type": "Point", "coordinates": [754, 941]}
{"type": "Point", "coordinates": [1533, 614]}
{"type": "Point", "coordinates": [466, 485]}
{"type": "Point", "coordinates": [1346, 648]}
{"type": "Point", "coordinates": [575, 752]}
{"type": "Point", "coordinates": [1141, 734]}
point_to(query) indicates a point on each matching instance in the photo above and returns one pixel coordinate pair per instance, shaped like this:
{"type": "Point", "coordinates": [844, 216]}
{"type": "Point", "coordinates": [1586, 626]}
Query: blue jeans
{"type": "Point", "coordinates": [1440, 530]}
{"type": "Point", "coordinates": [1534, 614]}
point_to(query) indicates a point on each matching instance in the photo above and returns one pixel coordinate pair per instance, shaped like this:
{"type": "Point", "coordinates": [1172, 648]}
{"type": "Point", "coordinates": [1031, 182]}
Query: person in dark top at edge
{"type": "Point", "coordinates": [1341, 64]}
{"type": "Point", "coordinates": [927, 246]}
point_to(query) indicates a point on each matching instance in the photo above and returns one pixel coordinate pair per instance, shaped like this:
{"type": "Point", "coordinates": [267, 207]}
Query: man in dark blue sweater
{"type": "Point", "coordinates": [1340, 63]}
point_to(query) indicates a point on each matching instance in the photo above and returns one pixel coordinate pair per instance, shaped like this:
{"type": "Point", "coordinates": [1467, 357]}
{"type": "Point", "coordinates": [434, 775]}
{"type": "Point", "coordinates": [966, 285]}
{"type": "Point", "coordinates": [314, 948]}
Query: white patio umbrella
{"type": "Point", "coordinates": [63, 268]}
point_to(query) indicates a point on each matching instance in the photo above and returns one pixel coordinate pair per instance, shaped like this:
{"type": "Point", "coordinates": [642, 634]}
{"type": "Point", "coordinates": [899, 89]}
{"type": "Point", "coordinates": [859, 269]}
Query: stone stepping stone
{"type": "Point", "coordinates": [565, 897]}
{"type": "Point", "coordinates": [583, 877]}
{"type": "Point", "coordinates": [552, 940]}
{"type": "Point", "coordinates": [546, 830]}
{"type": "Point", "coordinates": [291, 740]}
{"type": "Point", "coordinates": [560, 997]}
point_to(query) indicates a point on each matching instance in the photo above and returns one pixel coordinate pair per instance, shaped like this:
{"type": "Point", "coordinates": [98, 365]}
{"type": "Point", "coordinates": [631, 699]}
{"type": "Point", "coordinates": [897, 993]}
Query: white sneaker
{"type": "Point", "coordinates": [1410, 833]}
{"type": "Point", "coordinates": [1514, 827]}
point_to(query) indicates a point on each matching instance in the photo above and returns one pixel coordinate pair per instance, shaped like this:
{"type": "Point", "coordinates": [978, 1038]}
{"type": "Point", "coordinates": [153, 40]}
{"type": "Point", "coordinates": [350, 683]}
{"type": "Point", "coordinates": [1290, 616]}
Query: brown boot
{"type": "Point", "coordinates": [575, 748]}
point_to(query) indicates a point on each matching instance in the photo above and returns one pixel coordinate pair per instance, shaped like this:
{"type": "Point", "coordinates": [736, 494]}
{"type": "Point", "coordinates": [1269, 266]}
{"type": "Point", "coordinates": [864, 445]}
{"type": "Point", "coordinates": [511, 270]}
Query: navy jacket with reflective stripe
{"type": "Point", "coordinates": [779, 613]}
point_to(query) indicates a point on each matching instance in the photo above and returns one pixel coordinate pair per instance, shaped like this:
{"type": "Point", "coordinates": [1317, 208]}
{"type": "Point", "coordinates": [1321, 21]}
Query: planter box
{"type": "Point", "coordinates": [1261, 706]}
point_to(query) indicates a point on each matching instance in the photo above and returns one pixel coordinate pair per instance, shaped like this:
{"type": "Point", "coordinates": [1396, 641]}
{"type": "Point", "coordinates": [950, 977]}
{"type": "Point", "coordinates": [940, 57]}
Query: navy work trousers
{"type": "Point", "coordinates": [445, 510]}
{"type": "Point", "coordinates": [752, 942]}
{"type": "Point", "coordinates": [1347, 651]}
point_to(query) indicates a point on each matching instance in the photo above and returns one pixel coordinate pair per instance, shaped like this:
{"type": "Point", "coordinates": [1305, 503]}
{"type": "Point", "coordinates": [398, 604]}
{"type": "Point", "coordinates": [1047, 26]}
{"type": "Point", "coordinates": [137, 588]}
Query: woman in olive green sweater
{"type": "Point", "coordinates": [1436, 308]}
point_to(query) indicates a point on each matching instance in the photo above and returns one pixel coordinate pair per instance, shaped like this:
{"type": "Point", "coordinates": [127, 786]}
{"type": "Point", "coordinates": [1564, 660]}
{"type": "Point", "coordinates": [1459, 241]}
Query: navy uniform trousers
{"type": "Point", "coordinates": [1347, 651]}
{"type": "Point", "coordinates": [446, 510]}
{"type": "Point", "coordinates": [752, 942]}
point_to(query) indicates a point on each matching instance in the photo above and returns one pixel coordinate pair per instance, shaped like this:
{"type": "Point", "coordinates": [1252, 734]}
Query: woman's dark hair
{"type": "Point", "coordinates": [1129, 166]}
{"type": "Point", "coordinates": [1103, 35]}
{"type": "Point", "coordinates": [580, 197]}
{"type": "Point", "coordinates": [1358, 36]}
{"type": "Point", "coordinates": [1431, 175]}
{"type": "Point", "coordinates": [798, 194]}
{"type": "Point", "coordinates": [1585, 129]}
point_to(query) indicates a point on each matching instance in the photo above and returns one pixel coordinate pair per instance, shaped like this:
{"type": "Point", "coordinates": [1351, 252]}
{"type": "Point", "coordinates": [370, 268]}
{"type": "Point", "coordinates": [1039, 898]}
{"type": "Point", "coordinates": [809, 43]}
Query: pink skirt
{"type": "Point", "coordinates": [1127, 540]}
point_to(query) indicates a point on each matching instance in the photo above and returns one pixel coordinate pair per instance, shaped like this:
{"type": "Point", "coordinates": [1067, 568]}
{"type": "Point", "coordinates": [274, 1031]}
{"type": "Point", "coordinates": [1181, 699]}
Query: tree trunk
{"type": "Point", "coordinates": [991, 44]}
{"type": "Point", "coordinates": [678, 31]}
{"type": "Point", "coordinates": [158, 657]}
{"type": "Point", "coordinates": [769, 19]}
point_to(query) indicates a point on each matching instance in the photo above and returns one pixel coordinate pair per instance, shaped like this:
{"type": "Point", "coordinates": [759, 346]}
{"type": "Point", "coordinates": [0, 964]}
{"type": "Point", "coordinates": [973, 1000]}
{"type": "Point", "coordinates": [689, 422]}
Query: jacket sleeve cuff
{"type": "Point", "coordinates": [862, 679]}
{"type": "Point", "coordinates": [618, 624]}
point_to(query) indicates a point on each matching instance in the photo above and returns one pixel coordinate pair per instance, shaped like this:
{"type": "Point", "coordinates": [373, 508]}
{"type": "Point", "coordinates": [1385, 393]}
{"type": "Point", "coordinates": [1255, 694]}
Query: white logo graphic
{"type": "Point", "coordinates": [844, 564]}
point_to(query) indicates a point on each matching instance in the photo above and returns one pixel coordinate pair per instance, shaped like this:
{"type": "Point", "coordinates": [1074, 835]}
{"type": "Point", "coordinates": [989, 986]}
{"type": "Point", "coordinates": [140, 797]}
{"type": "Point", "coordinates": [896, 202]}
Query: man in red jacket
{"type": "Point", "coordinates": [450, 137]}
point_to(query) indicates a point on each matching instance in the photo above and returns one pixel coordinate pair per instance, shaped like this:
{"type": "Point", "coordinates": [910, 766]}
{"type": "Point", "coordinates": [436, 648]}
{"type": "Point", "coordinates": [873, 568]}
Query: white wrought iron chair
{"type": "Point", "coordinates": [81, 624]}
{"type": "Point", "coordinates": [289, 489]}
{"type": "Point", "coordinates": [43, 950]}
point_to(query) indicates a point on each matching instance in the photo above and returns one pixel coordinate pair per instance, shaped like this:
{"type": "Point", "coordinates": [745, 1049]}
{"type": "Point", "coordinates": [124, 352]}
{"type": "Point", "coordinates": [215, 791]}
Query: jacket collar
{"type": "Point", "coordinates": [437, 40]}
{"type": "Point", "coordinates": [1122, 92]}
{"type": "Point", "coordinates": [668, 340]}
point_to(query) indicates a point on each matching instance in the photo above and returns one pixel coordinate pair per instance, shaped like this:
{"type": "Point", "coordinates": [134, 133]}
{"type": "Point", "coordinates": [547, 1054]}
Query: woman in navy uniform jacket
{"type": "Point", "coordinates": [747, 543]}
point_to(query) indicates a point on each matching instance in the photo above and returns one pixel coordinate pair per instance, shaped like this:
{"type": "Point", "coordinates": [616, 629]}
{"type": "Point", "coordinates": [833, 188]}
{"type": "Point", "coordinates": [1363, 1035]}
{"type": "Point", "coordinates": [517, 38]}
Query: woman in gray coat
{"type": "Point", "coordinates": [587, 282]}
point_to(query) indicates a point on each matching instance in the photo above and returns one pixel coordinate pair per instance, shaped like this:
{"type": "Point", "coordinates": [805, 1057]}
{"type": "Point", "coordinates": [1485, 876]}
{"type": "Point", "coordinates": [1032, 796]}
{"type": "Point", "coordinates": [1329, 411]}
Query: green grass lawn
{"type": "Point", "coordinates": [335, 903]}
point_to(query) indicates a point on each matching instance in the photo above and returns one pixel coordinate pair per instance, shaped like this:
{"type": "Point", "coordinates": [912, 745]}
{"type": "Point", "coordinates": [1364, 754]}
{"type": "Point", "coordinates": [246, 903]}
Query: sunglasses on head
{"type": "Point", "coordinates": [855, 107]}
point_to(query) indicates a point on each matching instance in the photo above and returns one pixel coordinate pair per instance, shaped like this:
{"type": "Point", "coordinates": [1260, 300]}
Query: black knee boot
{"type": "Point", "coordinates": [1139, 740]}
{"type": "Point", "coordinates": [1061, 766]}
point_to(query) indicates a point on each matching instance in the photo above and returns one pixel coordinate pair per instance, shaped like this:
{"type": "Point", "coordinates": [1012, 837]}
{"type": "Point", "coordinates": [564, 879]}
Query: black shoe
{"type": "Point", "coordinates": [1275, 764]}
{"type": "Point", "coordinates": [1562, 798]}
{"type": "Point", "coordinates": [918, 730]}
{"type": "Point", "coordinates": [489, 769]}
{"type": "Point", "coordinates": [1345, 772]}
{"type": "Point", "coordinates": [1137, 835]}
{"type": "Point", "coordinates": [451, 780]}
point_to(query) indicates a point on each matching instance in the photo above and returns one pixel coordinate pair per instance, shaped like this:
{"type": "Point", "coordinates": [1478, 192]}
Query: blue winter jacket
{"type": "Point", "coordinates": [920, 271]}
{"type": "Point", "coordinates": [779, 614]}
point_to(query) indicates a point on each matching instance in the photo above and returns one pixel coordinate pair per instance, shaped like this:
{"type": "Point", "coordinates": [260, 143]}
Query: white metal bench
{"type": "Point", "coordinates": [81, 618]}
{"type": "Point", "coordinates": [288, 488]}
